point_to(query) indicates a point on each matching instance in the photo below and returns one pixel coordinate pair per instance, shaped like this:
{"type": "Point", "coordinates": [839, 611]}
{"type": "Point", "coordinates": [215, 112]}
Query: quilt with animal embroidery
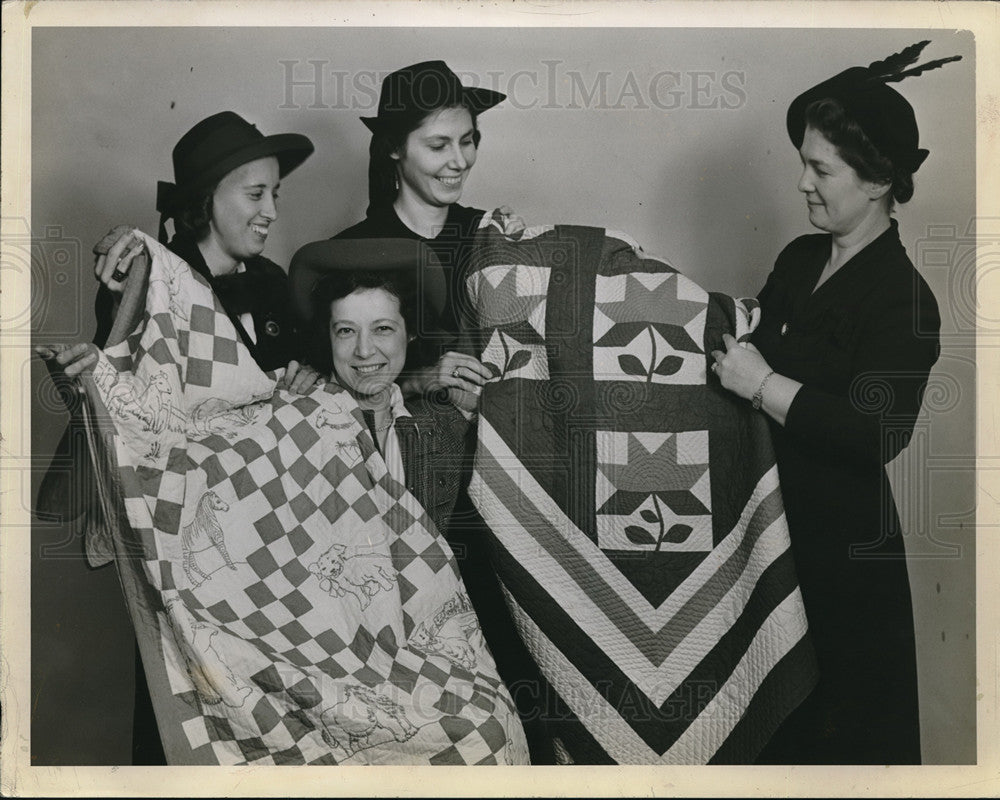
{"type": "Point", "coordinates": [294, 604]}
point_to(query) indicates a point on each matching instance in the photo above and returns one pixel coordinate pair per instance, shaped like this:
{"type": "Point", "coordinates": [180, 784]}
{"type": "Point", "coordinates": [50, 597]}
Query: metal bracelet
{"type": "Point", "coordinates": [758, 396]}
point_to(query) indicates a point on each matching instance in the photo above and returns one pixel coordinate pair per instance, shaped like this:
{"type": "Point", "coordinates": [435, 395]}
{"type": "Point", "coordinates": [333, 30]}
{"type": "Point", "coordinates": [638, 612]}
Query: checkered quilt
{"type": "Point", "coordinates": [639, 528]}
{"type": "Point", "coordinates": [294, 604]}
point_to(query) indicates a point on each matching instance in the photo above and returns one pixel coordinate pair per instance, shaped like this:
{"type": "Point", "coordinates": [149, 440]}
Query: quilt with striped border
{"type": "Point", "coordinates": [634, 505]}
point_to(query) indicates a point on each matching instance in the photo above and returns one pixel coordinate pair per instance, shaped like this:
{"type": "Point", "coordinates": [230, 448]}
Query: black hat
{"type": "Point", "coordinates": [407, 258]}
{"type": "Point", "coordinates": [883, 113]}
{"type": "Point", "coordinates": [415, 91]}
{"type": "Point", "coordinates": [215, 147]}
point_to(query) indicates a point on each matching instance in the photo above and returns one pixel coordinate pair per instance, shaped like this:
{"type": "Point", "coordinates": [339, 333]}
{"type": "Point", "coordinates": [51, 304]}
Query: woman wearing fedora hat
{"type": "Point", "coordinates": [424, 143]}
{"type": "Point", "coordinates": [425, 140]}
{"type": "Point", "coordinates": [849, 334]}
{"type": "Point", "coordinates": [223, 203]}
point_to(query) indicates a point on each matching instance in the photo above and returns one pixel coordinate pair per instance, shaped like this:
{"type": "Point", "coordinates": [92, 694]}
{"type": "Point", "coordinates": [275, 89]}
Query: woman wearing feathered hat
{"type": "Point", "coordinates": [849, 333]}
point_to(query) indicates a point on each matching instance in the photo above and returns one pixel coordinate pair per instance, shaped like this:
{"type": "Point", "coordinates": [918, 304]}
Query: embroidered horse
{"type": "Point", "coordinates": [216, 415]}
{"type": "Point", "coordinates": [204, 533]}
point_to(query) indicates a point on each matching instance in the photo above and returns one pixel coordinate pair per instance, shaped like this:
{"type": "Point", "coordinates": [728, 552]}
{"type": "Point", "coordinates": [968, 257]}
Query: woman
{"type": "Point", "coordinates": [223, 203]}
{"type": "Point", "coordinates": [425, 139]}
{"type": "Point", "coordinates": [360, 300]}
{"type": "Point", "coordinates": [849, 333]}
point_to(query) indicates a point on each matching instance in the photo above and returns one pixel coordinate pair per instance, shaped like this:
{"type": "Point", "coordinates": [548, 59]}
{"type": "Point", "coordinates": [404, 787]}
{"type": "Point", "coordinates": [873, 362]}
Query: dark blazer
{"type": "Point", "coordinates": [862, 345]}
{"type": "Point", "coordinates": [434, 444]}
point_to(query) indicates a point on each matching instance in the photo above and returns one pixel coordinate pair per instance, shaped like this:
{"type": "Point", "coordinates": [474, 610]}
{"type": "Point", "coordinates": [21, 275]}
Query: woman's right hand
{"type": "Point", "coordinates": [115, 253]}
{"type": "Point", "coordinates": [459, 371]}
{"type": "Point", "coordinates": [513, 224]}
{"type": "Point", "coordinates": [462, 375]}
{"type": "Point", "coordinates": [65, 364]}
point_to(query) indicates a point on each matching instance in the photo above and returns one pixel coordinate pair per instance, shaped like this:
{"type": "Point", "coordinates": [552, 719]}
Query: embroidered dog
{"type": "Point", "coordinates": [363, 718]}
{"type": "Point", "coordinates": [363, 575]}
{"type": "Point", "coordinates": [204, 533]}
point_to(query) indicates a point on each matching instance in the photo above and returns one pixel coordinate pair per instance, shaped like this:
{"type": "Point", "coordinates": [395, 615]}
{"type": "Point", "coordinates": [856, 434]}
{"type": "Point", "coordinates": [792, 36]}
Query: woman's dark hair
{"type": "Point", "coordinates": [337, 285]}
{"type": "Point", "coordinates": [382, 186]}
{"type": "Point", "coordinates": [192, 221]}
{"type": "Point", "coordinates": [831, 119]}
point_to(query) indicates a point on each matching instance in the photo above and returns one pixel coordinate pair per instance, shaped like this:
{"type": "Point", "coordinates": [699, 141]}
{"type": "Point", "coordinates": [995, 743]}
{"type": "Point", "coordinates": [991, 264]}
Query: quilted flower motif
{"type": "Point", "coordinates": [647, 468]}
{"type": "Point", "coordinates": [640, 304]}
{"type": "Point", "coordinates": [511, 303]}
{"type": "Point", "coordinates": [508, 295]}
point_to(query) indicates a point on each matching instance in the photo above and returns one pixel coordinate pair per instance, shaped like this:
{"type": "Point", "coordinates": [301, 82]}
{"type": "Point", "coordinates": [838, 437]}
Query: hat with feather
{"type": "Point", "coordinates": [883, 113]}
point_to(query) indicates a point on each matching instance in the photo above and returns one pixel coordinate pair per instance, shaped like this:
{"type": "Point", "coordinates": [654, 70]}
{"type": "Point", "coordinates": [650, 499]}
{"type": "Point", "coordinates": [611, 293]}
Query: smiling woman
{"type": "Point", "coordinates": [223, 203]}
{"type": "Point", "coordinates": [425, 140]}
{"type": "Point", "coordinates": [433, 164]}
{"type": "Point", "coordinates": [244, 205]}
{"type": "Point", "coordinates": [849, 334]}
{"type": "Point", "coordinates": [359, 301]}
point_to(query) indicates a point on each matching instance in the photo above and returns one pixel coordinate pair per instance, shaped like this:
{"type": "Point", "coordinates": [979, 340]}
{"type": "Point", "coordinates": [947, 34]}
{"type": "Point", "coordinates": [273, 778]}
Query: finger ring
{"type": "Point", "coordinates": [118, 275]}
{"type": "Point", "coordinates": [454, 372]}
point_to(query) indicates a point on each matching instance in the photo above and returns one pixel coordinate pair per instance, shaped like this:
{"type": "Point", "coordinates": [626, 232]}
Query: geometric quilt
{"type": "Point", "coordinates": [293, 602]}
{"type": "Point", "coordinates": [639, 531]}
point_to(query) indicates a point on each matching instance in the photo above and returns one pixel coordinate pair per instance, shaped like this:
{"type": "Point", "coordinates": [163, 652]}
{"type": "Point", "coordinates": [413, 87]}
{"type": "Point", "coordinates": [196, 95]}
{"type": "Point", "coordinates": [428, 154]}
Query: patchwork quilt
{"type": "Point", "coordinates": [638, 524]}
{"type": "Point", "coordinates": [294, 604]}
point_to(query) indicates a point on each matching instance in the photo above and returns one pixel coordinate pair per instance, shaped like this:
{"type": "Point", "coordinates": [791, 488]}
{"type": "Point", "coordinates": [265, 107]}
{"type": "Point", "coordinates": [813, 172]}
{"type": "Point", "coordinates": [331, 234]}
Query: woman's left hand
{"type": "Point", "coordinates": [741, 369]}
{"type": "Point", "coordinates": [513, 225]}
{"type": "Point", "coordinates": [300, 378]}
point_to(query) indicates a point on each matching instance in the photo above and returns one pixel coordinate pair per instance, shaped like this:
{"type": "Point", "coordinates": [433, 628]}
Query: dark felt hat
{"type": "Point", "coordinates": [408, 259]}
{"type": "Point", "coordinates": [414, 91]}
{"type": "Point", "coordinates": [215, 147]}
{"type": "Point", "coordinates": [883, 113]}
